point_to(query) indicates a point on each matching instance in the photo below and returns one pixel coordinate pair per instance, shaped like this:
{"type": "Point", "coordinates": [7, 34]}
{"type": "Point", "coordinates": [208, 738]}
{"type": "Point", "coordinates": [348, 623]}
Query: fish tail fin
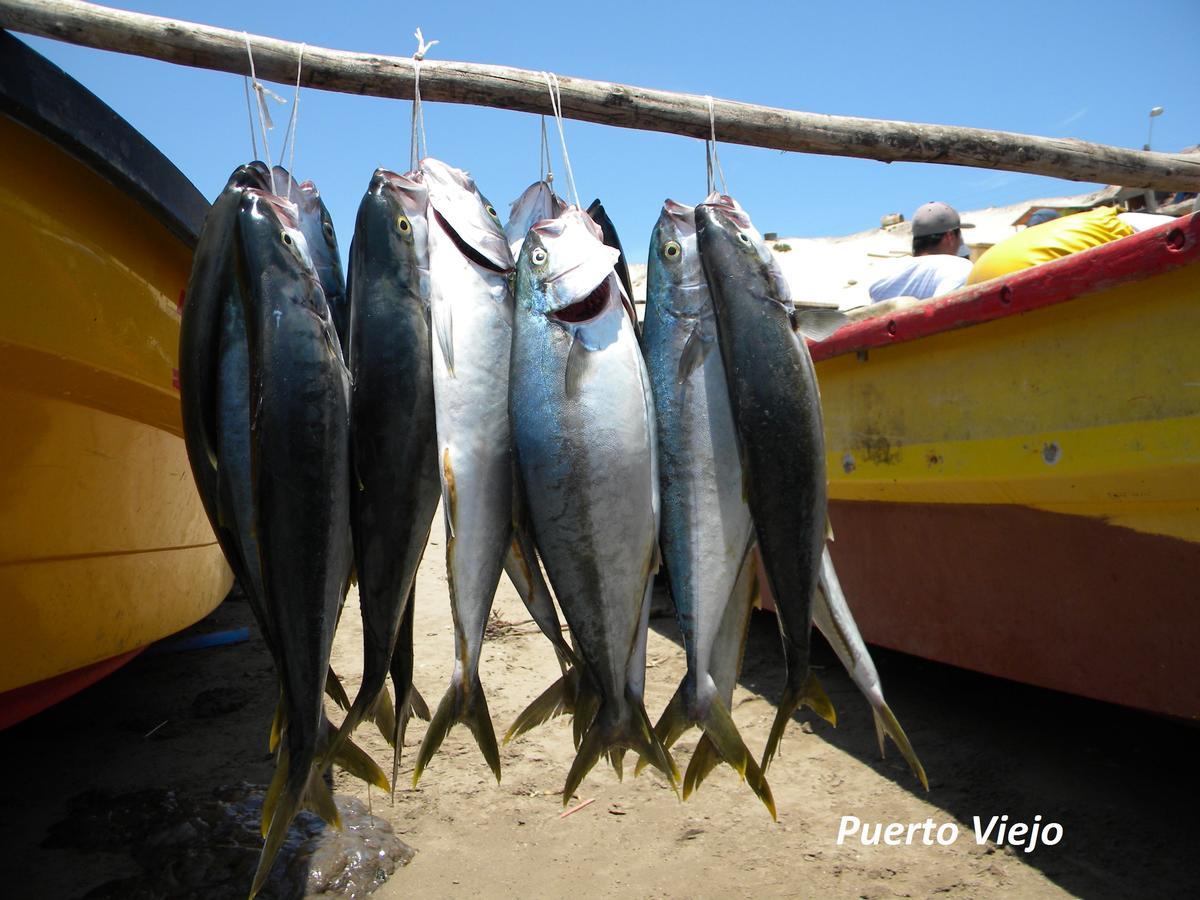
{"type": "Point", "coordinates": [364, 707]}
{"type": "Point", "coordinates": [886, 721]}
{"type": "Point", "coordinates": [348, 756]}
{"type": "Point", "coordinates": [405, 711]}
{"type": "Point", "coordinates": [353, 759]}
{"type": "Point", "coordinates": [615, 729]}
{"type": "Point", "coordinates": [807, 692]}
{"type": "Point", "coordinates": [670, 726]}
{"type": "Point", "coordinates": [277, 723]}
{"type": "Point", "coordinates": [290, 791]}
{"type": "Point", "coordinates": [335, 691]}
{"type": "Point", "coordinates": [705, 758]}
{"type": "Point", "coordinates": [383, 714]}
{"type": "Point", "coordinates": [587, 705]}
{"type": "Point", "coordinates": [417, 704]}
{"type": "Point", "coordinates": [727, 743]}
{"type": "Point", "coordinates": [468, 707]}
{"type": "Point", "coordinates": [557, 699]}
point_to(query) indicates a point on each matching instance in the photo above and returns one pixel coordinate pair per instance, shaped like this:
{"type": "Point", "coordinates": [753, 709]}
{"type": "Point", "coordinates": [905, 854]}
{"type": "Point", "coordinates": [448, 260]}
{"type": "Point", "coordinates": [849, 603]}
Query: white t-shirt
{"type": "Point", "coordinates": [922, 277]}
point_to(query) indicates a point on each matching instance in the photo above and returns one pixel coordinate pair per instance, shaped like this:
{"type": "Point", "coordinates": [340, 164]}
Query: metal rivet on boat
{"type": "Point", "coordinates": [848, 463]}
{"type": "Point", "coordinates": [1175, 239]}
{"type": "Point", "coordinates": [1051, 452]}
{"type": "Point", "coordinates": [1006, 295]}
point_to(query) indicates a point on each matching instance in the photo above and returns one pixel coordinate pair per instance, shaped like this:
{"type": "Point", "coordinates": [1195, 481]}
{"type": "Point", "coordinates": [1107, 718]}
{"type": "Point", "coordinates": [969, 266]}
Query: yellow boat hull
{"type": "Point", "coordinates": [1014, 473]}
{"type": "Point", "coordinates": [104, 544]}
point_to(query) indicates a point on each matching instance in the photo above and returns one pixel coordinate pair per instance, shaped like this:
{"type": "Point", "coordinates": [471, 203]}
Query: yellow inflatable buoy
{"type": "Point", "coordinates": [1050, 240]}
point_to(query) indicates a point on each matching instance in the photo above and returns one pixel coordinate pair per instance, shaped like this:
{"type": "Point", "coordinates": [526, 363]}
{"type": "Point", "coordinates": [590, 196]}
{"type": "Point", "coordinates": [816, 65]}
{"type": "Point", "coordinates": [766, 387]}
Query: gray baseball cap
{"type": "Point", "coordinates": [936, 218]}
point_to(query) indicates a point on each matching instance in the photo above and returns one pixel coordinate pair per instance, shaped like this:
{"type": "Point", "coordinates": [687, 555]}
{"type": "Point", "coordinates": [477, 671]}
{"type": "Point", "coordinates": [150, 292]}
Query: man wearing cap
{"type": "Point", "coordinates": [936, 266]}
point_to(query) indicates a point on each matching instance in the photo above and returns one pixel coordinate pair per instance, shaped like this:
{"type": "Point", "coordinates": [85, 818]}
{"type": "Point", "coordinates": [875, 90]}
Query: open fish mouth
{"type": "Point", "coordinates": [588, 308]}
{"type": "Point", "coordinates": [463, 246]}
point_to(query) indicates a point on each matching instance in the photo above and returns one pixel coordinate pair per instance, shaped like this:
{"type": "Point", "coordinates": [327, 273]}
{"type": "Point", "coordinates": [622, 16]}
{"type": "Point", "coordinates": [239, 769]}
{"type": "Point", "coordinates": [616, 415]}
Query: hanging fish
{"type": "Point", "coordinates": [317, 225]}
{"type": "Point", "coordinates": [299, 394]}
{"type": "Point", "coordinates": [537, 202]}
{"type": "Point", "coordinates": [706, 526]}
{"type": "Point", "coordinates": [471, 309]}
{"type": "Point", "coordinates": [393, 439]}
{"type": "Point", "coordinates": [583, 429]}
{"type": "Point", "coordinates": [777, 411]}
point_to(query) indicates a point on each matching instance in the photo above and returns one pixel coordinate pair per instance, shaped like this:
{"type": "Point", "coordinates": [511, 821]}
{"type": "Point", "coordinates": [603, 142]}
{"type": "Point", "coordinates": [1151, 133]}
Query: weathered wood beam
{"type": "Point", "coordinates": [608, 103]}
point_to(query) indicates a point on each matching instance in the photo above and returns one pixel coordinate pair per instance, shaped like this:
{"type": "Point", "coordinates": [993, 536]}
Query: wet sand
{"type": "Point", "coordinates": [1123, 785]}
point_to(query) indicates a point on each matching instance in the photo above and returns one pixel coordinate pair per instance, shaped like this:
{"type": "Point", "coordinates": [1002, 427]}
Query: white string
{"type": "Point", "coordinates": [545, 164]}
{"type": "Point", "coordinates": [417, 150]}
{"type": "Point", "coordinates": [293, 123]}
{"type": "Point", "coordinates": [556, 105]}
{"type": "Point", "coordinates": [712, 161]}
{"type": "Point", "coordinates": [264, 114]}
{"type": "Point", "coordinates": [250, 119]}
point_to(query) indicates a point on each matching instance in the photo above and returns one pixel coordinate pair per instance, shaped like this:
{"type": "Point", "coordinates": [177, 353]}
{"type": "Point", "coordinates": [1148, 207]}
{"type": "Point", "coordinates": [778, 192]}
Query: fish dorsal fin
{"type": "Point", "coordinates": [695, 352]}
{"type": "Point", "coordinates": [443, 328]}
{"type": "Point", "coordinates": [577, 365]}
{"type": "Point", "coordinates": [817, 323]}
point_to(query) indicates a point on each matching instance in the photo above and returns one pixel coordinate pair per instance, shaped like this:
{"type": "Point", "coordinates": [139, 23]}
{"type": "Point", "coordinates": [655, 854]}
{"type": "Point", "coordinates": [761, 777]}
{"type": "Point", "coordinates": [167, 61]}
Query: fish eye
{"type": "Point", "coordinates": [403, 224]}
{"type": "Point", "coordinates": [492, 212]}
{"type": "Point", "coordinates": [286, 238]}
{"type": "Point", "coordinates": [743, 237]}
{"type": "Point", "coordinates": [672, 249]}
{"type": "Point", "coordinates": [327, 228]}
{"type": "Point", "coordinates": [538, 256]}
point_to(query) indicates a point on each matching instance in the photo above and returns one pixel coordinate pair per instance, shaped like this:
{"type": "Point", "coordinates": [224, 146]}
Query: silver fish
{"type": "Point", "coordinates": [537, 202]}
{"type": "Point", "coordinates": [706, 525]}
{"type": "Point", "coordinates": [832, 615]}
{"type": "Point", "coordinates": [583, 429]}
{"type": "Point", "coordinates": [471, 306]}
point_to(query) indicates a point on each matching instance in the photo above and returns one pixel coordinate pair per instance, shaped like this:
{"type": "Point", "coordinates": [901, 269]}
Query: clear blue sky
{"type": "Point", "coordinates": [1089, 69]}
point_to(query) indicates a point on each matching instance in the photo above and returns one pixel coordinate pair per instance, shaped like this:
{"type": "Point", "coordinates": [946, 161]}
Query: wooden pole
{"type": "Point", "coordinates": [608, 103]}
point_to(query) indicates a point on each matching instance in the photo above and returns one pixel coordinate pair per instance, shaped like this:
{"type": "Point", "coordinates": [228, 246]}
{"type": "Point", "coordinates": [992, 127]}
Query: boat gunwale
{"type": "Point", "coordinates": [1133, 258]}
{"type": "Point", "coordinates": [39, 95]}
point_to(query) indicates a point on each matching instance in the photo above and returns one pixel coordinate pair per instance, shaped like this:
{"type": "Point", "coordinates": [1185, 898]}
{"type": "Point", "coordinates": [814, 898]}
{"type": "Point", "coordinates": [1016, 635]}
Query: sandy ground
{"type": "Point", "coordinates": [1122, 785]}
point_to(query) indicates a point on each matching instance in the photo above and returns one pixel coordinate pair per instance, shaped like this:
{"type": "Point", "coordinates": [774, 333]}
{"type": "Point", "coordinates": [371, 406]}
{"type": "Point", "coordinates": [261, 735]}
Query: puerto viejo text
{"type": "Point", "coordinates": [997, 829]}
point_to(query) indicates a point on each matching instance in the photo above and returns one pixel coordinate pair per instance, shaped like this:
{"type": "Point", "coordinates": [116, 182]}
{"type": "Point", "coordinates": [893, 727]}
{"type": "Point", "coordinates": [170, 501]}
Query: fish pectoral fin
{"type": "Point", "coordinates": [886, 721]}
{"type": "Point", "coordinates": [449, 494]}
{"type": "Point", "coordinates": [695, 352]}
{"type": "Point", "coordinates": [817, 323]}
{"type": "Point", "coordinates": [443, 329]}
{"type": "Point", "coordinates": [578, 359]}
